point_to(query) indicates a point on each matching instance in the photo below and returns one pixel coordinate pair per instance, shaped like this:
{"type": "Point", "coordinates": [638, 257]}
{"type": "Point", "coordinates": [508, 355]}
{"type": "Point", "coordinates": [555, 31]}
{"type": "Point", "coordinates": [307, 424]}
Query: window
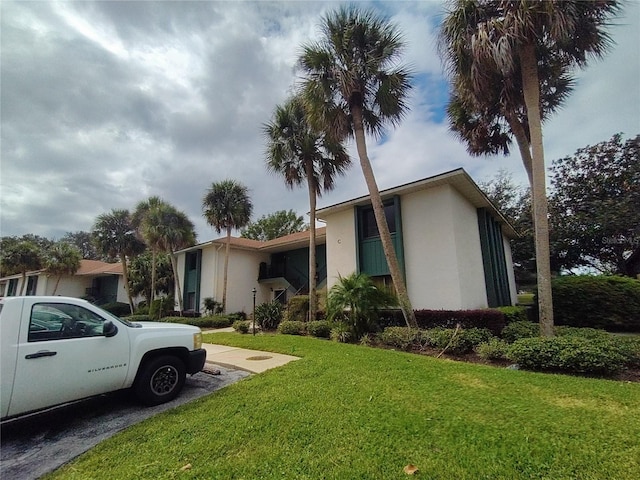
{"type": "Point", "coordinates": [32, 285]}
{"type": "Point", "coordinates": [54, 321]}
{"type": "Point", "coordinates": [13, 287]}
{"type": "Point", "coordinates": [369, 227]}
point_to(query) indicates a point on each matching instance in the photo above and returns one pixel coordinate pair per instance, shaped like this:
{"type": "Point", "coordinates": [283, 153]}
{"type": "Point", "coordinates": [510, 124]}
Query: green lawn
{"type": "Point", "coordinates": [352, 412]}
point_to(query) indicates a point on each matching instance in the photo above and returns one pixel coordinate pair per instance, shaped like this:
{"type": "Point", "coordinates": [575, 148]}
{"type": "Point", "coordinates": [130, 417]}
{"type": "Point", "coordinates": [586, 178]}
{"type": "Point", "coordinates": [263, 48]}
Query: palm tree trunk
{"type": "Point", "coordinates": [153, 273]}
{"type": "Point", "coordinates": [125, 275]}
{"type": "Point", "coordinates": [55, 288]}
{"type": "Point", "coordinates": [523, 145]}
{"type": "Point", "coordinates": [226, 271]}
{"type": "Point", "coordinates": [174, 267]}
{"type": "Point", "coordinates": [381, 221]}
{"type": "Point", "coordinates": [531, 90]}
{"type": "Point", "coordinates": [313, 297]}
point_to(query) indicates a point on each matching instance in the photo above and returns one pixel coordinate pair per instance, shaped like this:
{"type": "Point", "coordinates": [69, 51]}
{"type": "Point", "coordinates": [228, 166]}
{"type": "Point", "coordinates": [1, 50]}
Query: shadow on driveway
{"type": "Point", "coordinates": [38, 444]}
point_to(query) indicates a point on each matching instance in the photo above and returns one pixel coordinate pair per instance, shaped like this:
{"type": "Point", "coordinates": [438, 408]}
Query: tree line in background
{"type": "Point", "coordinates": [594, 212]}
{"type": "Point", "coordinates": [510, 66]}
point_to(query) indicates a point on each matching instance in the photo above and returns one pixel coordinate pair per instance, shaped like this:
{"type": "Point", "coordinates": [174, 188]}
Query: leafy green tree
{"type": "Point", "coordinates": [114, 236]}
{"type": "Point", "coordinates": [83, 242]}
{"type": "Point", "coordinates": [595, 206]}
{"type": "Point", "coordinates": [493, 38]}
{"type": "Point", "coordinates": [274, 225]}
{"type": "Point", "coordinates": [61, 259]}
{"type": "Point", "coordinates": [353, 85]}
{"type": "Point", "coordinates": [358, 299]}
{"type": "Point", "coordinates": [227, 206]}
{"type": "Point", "coordinates": [22, 257]}
{"type": "Point", "coordinates": [140, 275]}
{"type": "Point", "coordinates": [302, 154]}
{"type": "Point", "coordinates": [514, 201]}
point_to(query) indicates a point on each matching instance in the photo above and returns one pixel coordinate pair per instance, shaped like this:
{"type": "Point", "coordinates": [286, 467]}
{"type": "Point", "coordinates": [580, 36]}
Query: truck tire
{"type": "Point", "coordinates": [160, 380]}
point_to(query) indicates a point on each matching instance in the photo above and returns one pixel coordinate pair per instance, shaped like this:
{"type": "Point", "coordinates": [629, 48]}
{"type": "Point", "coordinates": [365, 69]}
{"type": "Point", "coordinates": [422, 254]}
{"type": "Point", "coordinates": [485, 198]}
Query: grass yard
{"type": "Point", "coordinates": [352, 412]}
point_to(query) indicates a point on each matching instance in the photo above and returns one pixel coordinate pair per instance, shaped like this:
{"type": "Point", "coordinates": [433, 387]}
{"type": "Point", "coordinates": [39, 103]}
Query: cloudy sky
{"type": "Point", "coordinates": [104, 104]}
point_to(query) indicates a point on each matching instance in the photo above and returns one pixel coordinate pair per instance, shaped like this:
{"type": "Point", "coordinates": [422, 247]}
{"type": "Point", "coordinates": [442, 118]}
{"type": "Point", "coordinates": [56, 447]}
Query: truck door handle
{"type": "Point", "coordinates": [42, 353]}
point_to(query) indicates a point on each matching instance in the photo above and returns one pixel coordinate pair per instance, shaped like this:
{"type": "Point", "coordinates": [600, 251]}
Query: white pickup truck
{"type": "Point", "coordinates": [56, 350]}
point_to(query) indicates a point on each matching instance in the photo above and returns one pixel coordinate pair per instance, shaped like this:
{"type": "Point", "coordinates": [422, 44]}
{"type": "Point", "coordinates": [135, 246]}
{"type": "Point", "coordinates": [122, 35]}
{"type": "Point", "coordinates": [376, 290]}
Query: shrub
{"type": "Point", "coordinates": [607, 302]}
{"type": "Point", "coordinates": [292, 327]}
{"type": "Point", "coordinates": [513, 314]}
{"type": "Point", "coordinates": [588, 333]}
{"type": "Point", "coordinates": [119, 309]}
{"type": "Point", "coordinates": [341, 333]}
{"type": "Point", "coordinates": [401, 338]}
{"type": "Point", "coordinates": [630, 348]}
{"type": "Point", "coordinates": [457, 342]}
{"type": "Point", "coordinates": [298, 308]}
{"type": "Point", "coordinates": [520, 329]}
{"type": "Point", "coordinates": [142, 309]}
{"type": "Point", "coordinates": [319, 328]}
{"type": "Point", "coordinates": [494, 349]}
{"type": "Point", "coordinates": [237, 316]}
{"type": "Point", "coordinates": [161, 307]}
{"type": "Point", "coordinates": [269, 315]}
{"type": "Point", "coordinates": [211, 306]}
{"type": "Point", "coordinates": [492, 319]}
{"type": "Point", "coordinates": [568, 354]}
{"type": "Point", "coordinates": [241, 326]}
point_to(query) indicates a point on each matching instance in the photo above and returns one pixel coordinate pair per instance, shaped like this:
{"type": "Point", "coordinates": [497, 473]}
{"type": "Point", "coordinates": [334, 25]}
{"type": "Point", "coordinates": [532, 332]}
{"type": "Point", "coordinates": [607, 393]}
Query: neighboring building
{"type": "Point", "coordinates": [277, 269]}
{"type": "Point", "coordinates": [452, 244]}
{"type": "Point", "coordinates": [101, 281]}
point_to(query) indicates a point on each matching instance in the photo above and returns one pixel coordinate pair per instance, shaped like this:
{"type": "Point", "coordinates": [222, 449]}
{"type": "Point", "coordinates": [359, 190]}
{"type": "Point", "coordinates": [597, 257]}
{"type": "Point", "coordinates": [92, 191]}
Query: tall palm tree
{"type": "Point", "coordinates": [301, 154]}
{"type": "Point", "coordinates": [149, 230]}
{"type": "Point", "coordinates": [485, 38]}
{"type": "Point", "coordinates": [227, 206]}
{"type": "Point", "coordinates": [175, 231]}
{"type": "Point", "coordinates": [115, 236]}
{"type": "Point", "coordinates": [62, 259]}
{"type": "Point", "coordinates": [352, 85]}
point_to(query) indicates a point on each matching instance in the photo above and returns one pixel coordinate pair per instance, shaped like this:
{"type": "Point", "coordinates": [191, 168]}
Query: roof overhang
{"type": "Point", "coordinates": [458, 179]}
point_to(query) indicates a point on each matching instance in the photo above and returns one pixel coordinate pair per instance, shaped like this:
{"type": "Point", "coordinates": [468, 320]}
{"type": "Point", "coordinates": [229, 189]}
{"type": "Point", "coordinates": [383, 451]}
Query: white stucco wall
{"type": "Point", "coordinates": [443, 259]}
{"type": "Point", "coordinates": [341, 246]}
{"type": "Point", "coordinates": [242, 277]}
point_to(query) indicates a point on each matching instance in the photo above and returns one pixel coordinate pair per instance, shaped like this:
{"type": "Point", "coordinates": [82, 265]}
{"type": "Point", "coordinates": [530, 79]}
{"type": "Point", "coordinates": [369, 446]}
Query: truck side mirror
{"type": "Point", "coordinates": [109, 329]}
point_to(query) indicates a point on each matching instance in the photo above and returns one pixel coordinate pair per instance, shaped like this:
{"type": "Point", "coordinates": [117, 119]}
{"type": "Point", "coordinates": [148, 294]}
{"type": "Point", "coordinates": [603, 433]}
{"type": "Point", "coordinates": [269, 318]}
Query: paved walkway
{"type": "Point", "coordinates": [253, 361]}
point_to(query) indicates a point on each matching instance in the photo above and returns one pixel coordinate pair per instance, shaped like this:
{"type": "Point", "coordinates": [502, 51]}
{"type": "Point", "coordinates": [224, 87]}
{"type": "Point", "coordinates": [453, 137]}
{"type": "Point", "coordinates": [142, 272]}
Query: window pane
{"type": "Point", "coordinates": [369, 226]}
{"type": "Point", "coordinates": [51, 321]}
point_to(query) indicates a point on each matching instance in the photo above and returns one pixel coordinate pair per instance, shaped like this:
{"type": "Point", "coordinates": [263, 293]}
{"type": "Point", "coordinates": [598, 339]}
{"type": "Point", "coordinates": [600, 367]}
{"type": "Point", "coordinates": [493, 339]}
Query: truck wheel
{"type": "Point", "coordinates": [160, 380]}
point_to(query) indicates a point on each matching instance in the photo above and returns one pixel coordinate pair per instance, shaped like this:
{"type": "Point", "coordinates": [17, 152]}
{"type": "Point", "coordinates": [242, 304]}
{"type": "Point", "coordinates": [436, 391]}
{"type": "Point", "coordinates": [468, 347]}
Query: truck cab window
{"type": "Point", "coordinates": [55, 321]}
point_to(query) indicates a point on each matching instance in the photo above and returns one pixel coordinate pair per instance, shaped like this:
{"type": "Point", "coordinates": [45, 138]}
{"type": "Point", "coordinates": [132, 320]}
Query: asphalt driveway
{"type": "Point", "coordinates": [33, 446]}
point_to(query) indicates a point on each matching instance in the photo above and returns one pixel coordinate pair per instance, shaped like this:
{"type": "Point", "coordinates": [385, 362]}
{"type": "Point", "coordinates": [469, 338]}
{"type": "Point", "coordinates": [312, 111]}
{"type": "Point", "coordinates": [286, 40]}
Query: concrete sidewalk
{"type": "Point", "coordinates": [253, 361]}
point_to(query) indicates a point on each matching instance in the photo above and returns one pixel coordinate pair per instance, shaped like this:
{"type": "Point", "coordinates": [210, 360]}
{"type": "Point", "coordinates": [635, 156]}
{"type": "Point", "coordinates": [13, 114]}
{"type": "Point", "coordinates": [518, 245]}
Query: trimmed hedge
{"type": "Point", "coordinates": [241, 326]}
{"type": "Point", "coordinates": [607, 302]}
{"type": "Point", "coordinates": [491, 319]}
{"type": "Point", "coordinates": [298, 308]}
{"type": "Point", "coordinates": [460, 342]}
{"type": "Point", "coordinates": [319, 328]}
{"type": "Point", "coordinates": [520, 329]}
{"type": "Point", "coordinates": [569, 354]}
{"type": "Point", "coordinates": [217, 321]}
{"type": "Point", "coordinates": [292, 327]}
{"type": "Point", "coordinates": [514, 314]}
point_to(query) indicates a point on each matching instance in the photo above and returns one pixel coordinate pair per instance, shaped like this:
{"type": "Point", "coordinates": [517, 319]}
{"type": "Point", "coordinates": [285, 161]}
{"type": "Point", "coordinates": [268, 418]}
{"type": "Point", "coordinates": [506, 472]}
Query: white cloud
{"type": "Point", "coordinates": [107, 103]}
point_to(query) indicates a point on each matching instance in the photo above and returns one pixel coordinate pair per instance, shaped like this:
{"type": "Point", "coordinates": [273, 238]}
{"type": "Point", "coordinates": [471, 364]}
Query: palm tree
{"type": "Point", "coordinates": [300, 153]}
{"type": "Point", "coordinates": [353, 85]}
{"type": "Point", "coordinates": [148, 230]}
{"type": "Point", "coordinates": [511, 39]}
{"type": "Point", "coordinates": [62, 259]}
{"type": "Point", "coordinates": [359, 299]}
{"type": "Point", "coordinates": [115, 236]}
{"type": "Point", "coordinates": [226, 206]}
{"type": "Point", "coordinates": [23, 257]}
{"type": "Point", "coordinates": [175, 231]}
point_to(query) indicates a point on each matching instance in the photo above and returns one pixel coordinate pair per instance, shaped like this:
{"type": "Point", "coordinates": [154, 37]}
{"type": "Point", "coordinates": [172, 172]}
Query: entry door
{"type": "Point", "coordinates": [66, 357]}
